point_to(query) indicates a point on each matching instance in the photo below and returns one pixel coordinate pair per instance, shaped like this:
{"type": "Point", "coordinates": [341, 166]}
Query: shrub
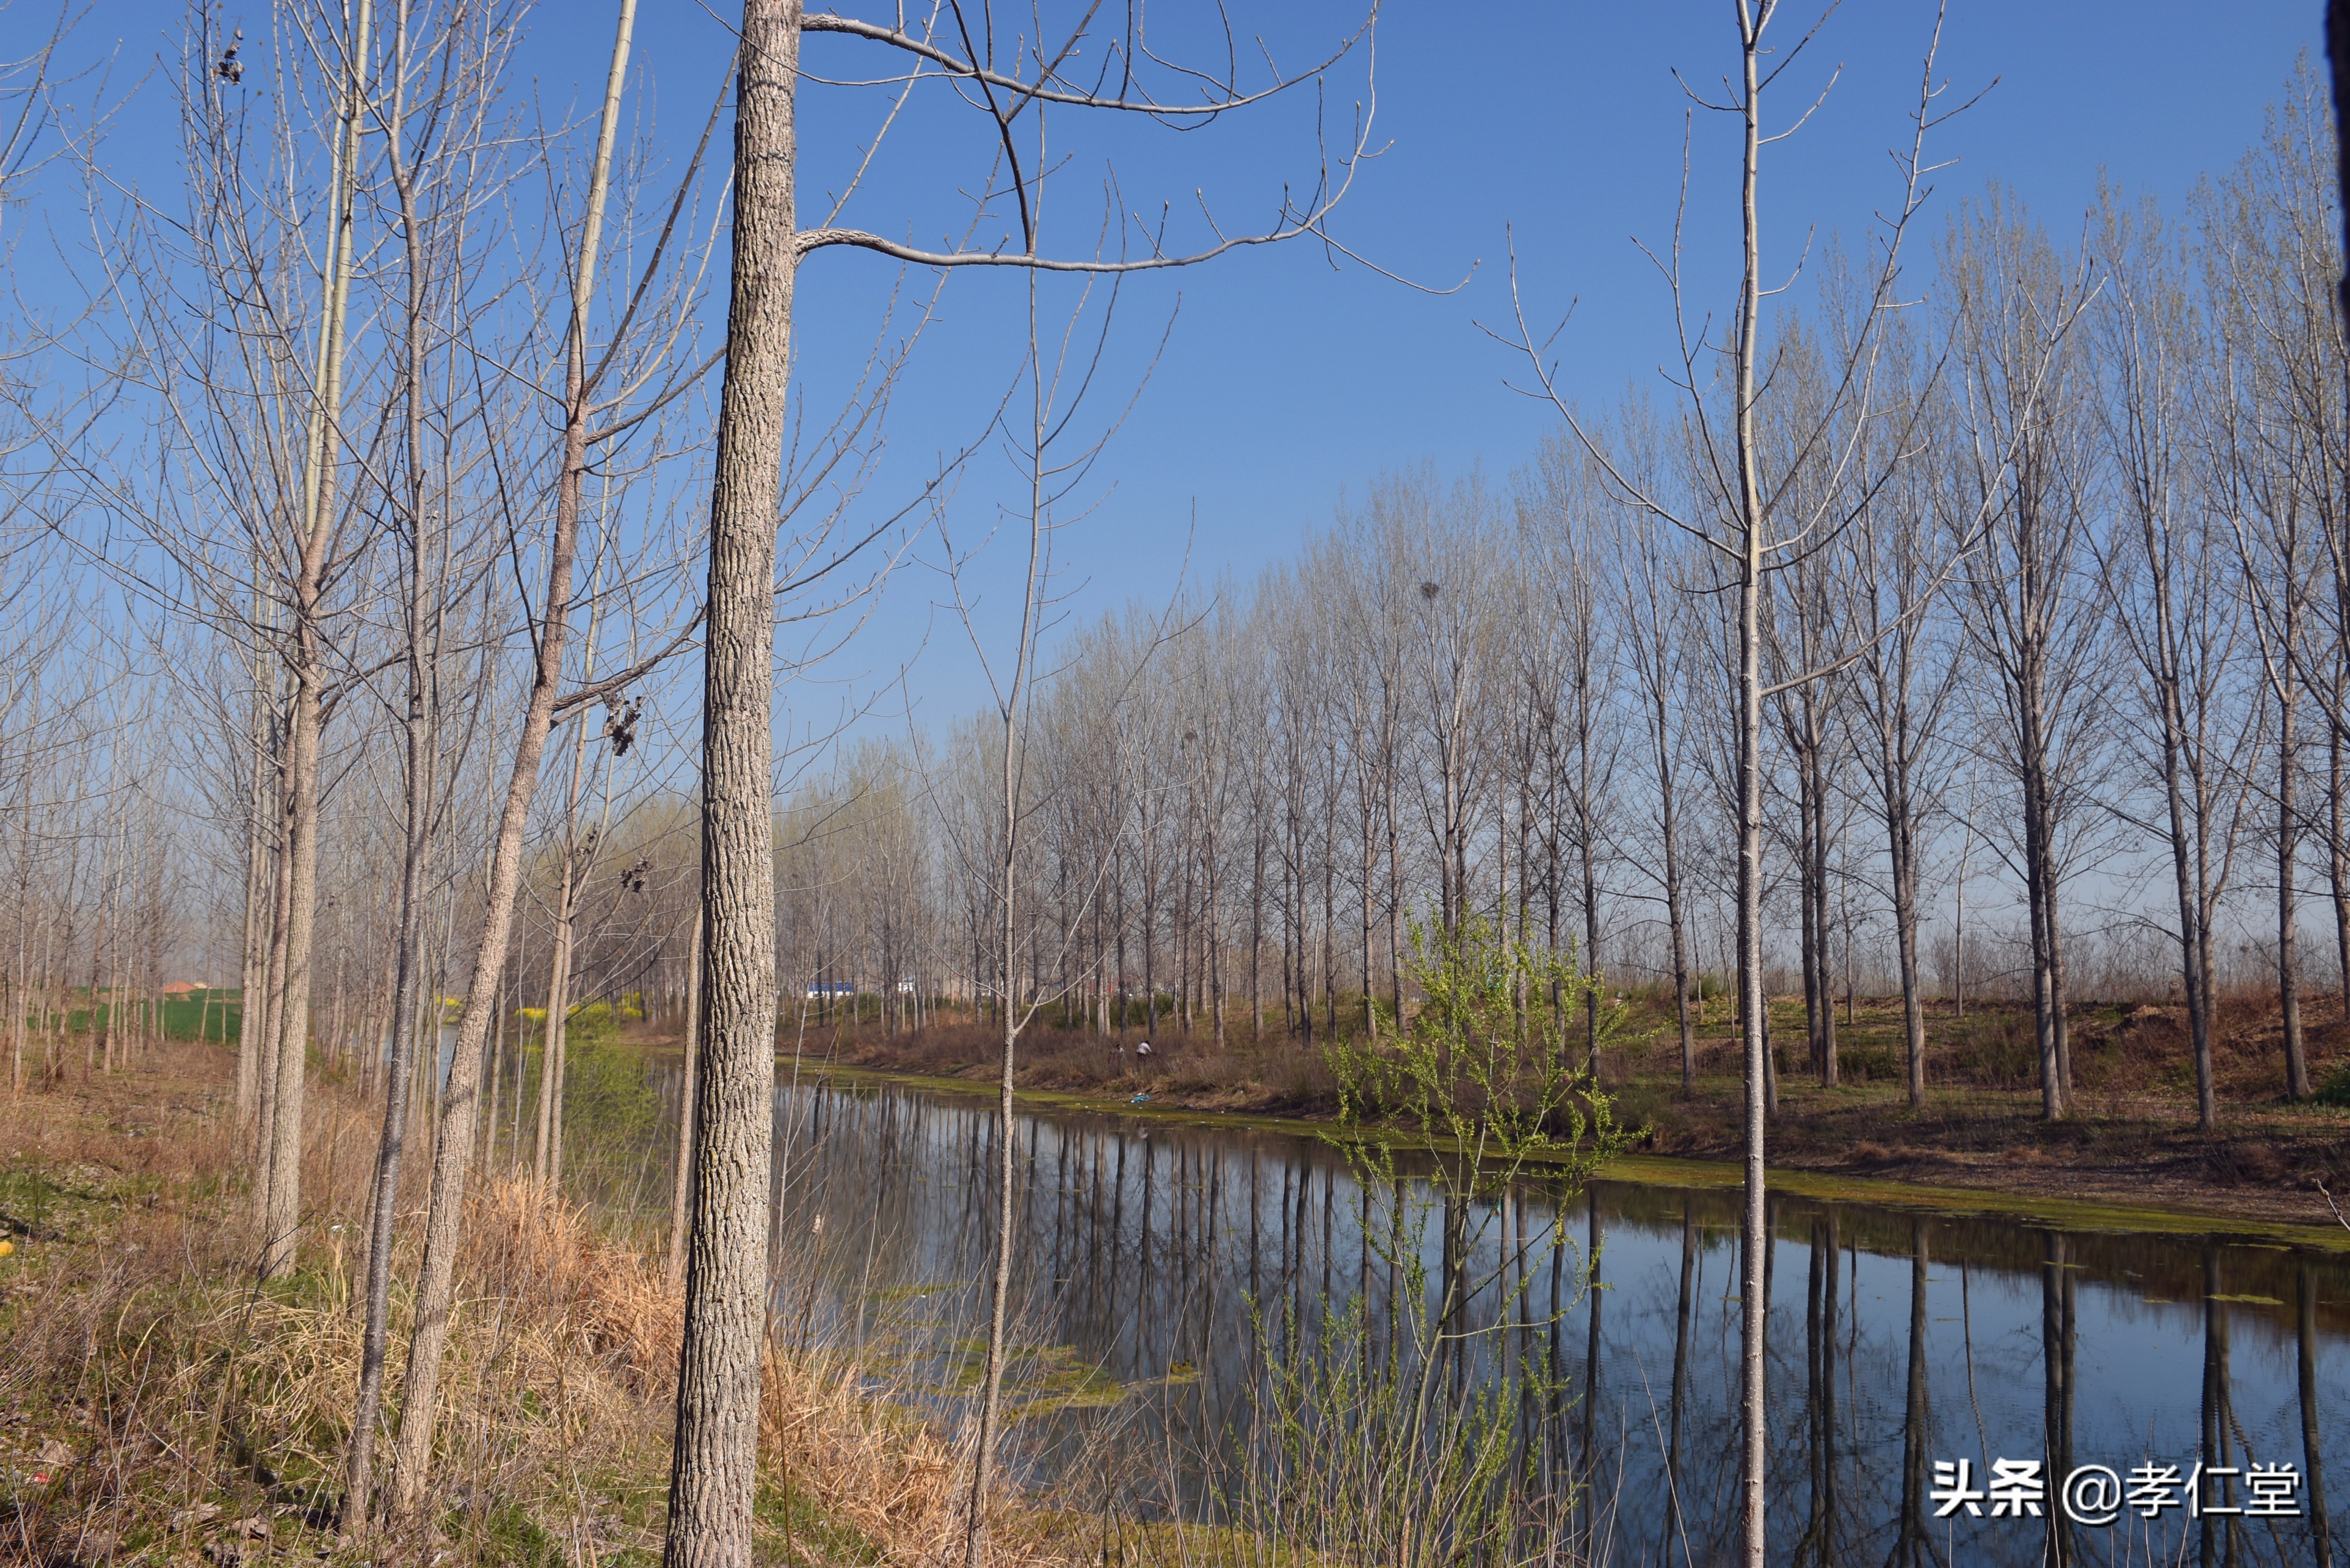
{"type": "Point", "coordinates": [1997, 1050]}
{"type": "Point", "coordinates": [1866, 1063]}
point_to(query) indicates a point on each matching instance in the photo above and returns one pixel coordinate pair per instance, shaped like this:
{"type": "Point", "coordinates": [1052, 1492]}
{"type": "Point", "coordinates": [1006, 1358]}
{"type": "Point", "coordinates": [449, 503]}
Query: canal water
{"type": "Point", "coordinates": [1189, 1301]}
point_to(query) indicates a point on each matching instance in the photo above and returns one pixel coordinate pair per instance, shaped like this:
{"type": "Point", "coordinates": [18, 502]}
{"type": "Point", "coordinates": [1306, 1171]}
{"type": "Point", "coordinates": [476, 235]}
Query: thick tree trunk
{"type": "Point", "coordinates": [715, 1467]}
{"type": "Point", "coordinates": [282, 1208]}
{"type": "Point", "coordinates": [273, 979]}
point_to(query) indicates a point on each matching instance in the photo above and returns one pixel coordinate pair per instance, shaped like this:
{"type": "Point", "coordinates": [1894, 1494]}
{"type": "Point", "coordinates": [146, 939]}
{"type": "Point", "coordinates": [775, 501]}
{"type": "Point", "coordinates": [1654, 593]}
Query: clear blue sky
{"type": "Point", "coordinates": [1284, 381]}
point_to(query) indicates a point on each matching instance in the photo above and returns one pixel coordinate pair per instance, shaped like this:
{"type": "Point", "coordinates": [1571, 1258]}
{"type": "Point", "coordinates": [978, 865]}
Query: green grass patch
{"type": "Point", "coordinates": [798, 1529]}
{"type": "Point", "coordinates": [512, 1536]}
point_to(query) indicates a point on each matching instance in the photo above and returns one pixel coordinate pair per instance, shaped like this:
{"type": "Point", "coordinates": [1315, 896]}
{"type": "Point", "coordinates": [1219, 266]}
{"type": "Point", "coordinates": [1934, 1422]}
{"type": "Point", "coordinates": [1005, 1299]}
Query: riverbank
{"type": "Point", "coordinates": [157, 1407]}
{"type": "Point", "coordinates": [2129, 1156]}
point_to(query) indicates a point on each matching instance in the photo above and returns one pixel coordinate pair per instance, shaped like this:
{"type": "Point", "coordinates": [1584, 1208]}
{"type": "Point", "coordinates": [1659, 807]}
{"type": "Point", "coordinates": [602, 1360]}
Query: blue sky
{"type": "Point", "coordinates": [1557, 129]}
{"type": "Point", "coordinates": [1556, 126]}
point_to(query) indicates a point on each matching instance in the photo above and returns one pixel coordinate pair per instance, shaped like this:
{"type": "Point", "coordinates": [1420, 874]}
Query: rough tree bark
{"type": "Point", "coordinates": [713, 1468]}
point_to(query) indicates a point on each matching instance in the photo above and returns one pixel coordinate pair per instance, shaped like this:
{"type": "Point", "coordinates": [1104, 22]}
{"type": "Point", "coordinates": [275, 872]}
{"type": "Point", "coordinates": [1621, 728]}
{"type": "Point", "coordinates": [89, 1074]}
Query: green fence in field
{"type": "Point", "coordinates": [188, 1015]}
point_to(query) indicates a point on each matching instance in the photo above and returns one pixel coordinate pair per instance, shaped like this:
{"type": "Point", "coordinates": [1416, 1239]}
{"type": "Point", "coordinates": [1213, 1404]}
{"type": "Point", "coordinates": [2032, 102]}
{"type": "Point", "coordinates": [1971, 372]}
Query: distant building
{"type": "Point", "coordinates": [818, 989]}
{"type": "Point", "coordinates": [183, 988]}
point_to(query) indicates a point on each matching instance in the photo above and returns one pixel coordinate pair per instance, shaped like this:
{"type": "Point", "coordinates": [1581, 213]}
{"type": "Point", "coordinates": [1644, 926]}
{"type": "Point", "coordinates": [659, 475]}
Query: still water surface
{"type": "Point", "coordinates": [1158, 1263]}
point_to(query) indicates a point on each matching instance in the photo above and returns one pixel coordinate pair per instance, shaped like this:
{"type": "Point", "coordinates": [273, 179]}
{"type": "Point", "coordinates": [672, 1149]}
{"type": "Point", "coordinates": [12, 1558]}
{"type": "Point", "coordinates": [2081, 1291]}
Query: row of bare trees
{"type": "Point", "coordinates": [2081, 635]}
{"type": "Point", "coordinates": [296, 452]}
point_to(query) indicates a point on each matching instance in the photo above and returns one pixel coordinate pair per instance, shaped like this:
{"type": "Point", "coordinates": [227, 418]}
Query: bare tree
{"type": "Point", "coordinates": [309, 668]}
{"type": "Point", "coordinates": [256, 533]}
{"type": "Point", "coordinates": [1805, 630]}
{"type": "Point", "coordinates": [2271, 402]}
{"type": "Point", "coordinates": [1455, 663]}
{"type": "Point", "coordinates": [2033, 615]}
{"type": "Point", "coordinates": [1658, 645]}
{"type": "Point", "coordinates": [2170, 573]}
{"type": "Point", "coordinates": [1902, 691]}
{"type": "Point", "coordinates": [713, 1468]}
{"type": "Point", "coordinates": [1580, 738]}
{"type": "Point", "coordinates": [635, 367]}
{"type": "Point", "coordinates": [455, 60]}
{"type": "Point", "coordinates": [1052, 462]}
{"type": "Point", "coordinates": [1007, 76]}
{"type": "Point", "coordinates": [1752, 520]}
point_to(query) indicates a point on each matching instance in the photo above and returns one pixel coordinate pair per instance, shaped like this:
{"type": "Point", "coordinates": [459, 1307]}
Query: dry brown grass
{"type": "Point", "coordinates": [158, 1406]}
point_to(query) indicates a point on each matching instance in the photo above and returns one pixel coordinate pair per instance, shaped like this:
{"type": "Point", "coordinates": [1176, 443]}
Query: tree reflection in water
{"type": "Point", "coordinates": [1166, 1268]}
{"type": "Point", "coordinates": [2057, 1339]}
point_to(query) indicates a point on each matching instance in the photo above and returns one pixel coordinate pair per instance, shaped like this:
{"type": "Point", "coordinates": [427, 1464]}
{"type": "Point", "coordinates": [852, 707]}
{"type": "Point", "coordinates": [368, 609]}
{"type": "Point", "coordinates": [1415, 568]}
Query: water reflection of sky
{"type": "Point", "coordinates": [1152, 1254]}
